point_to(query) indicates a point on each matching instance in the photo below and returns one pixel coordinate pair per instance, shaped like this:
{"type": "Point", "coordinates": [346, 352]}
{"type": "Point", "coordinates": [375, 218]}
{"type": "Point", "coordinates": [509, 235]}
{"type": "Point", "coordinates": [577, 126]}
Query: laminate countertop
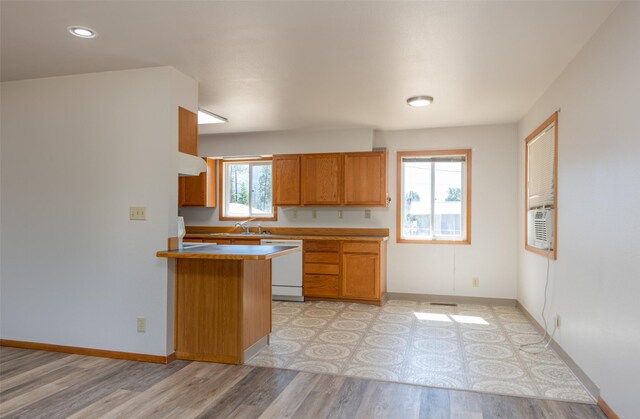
{"type": "Point", "coordinates": [213, 236]}
{"type": "Point", "coordinates": [228, 252]}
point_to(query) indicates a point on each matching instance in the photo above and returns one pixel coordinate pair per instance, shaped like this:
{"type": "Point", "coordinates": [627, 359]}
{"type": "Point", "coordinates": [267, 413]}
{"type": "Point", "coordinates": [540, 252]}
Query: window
{"type": "Point", "coordinates": [434, 197]}
{"type": "Point", "coordinates": [246, 190]}
{"type": "Point", "coordinates": [541, 184]}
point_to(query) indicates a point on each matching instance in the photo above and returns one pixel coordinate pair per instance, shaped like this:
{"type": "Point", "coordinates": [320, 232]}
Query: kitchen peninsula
{"type": "Point", "coordinates": [222, 300]}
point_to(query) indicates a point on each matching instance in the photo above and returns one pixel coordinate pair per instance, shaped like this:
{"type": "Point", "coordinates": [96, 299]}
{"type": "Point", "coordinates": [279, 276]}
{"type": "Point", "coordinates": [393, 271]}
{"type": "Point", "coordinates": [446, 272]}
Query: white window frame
{"type": "Point", "coordinates": [225, 189]}
{"type": "Point", "coordinates": [465, 221]}
{"type": "Point", "coordinates": [551, 126]}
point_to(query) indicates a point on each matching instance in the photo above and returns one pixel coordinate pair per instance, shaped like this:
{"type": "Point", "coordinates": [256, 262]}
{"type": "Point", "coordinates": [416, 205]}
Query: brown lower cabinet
{"type": "Point", "coordinates": [345, 270]}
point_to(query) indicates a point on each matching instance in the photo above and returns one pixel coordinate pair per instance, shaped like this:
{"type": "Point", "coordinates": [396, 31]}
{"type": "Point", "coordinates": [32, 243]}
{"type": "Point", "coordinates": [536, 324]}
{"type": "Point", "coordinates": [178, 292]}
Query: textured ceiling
{"type": "Point", "coordinates": [329, 64]}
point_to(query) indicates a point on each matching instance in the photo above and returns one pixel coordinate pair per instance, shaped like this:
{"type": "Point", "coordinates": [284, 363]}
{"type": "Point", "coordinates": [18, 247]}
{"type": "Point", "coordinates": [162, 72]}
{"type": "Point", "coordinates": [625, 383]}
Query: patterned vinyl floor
{"type": "Point", "coordinates": [468, 347]}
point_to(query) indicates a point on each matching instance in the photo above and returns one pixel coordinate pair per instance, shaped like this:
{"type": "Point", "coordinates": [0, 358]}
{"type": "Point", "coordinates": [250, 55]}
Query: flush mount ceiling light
{"type": "Point", "coordinates": [419, 101]}
{"type": "Point", "coordinates": [206, 117]}
{"type": "Point", "coordinates": [82, 32]}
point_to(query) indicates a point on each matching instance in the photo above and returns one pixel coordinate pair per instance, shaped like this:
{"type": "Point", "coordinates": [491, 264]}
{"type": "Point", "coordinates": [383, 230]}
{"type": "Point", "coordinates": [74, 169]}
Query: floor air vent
{"type": "Point", "coordinates": [444, 304]}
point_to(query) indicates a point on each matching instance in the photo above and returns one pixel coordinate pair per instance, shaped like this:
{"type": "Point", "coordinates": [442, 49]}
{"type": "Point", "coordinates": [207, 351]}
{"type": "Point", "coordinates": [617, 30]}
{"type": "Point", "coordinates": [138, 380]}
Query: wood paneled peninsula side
{"type": "Point", "coordinates": [223, 300]}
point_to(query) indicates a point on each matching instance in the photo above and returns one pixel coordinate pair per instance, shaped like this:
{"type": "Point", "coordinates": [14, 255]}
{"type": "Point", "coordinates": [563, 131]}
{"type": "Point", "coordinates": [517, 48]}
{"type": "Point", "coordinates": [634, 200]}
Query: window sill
{"type": "Point", "coordinates": [274, 218]}
{"type": "Point", "coordinates": [399, 240]}
{"type": "Point", "coordinates": [551, 254]}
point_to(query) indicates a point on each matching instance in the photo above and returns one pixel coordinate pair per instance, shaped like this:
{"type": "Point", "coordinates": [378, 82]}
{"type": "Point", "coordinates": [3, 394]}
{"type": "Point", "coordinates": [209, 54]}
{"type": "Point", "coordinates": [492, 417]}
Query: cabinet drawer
{"type": "Point", "coordinates": [321, 286]}
{"type": "Point", "coordinates": [322, 245]}
{"type": "Point", "coordinates": [319, 268]}
{"type": "Point", "coordinates": [359, 247]}
{"type": "Point", "coordinates": [186, 240]}
{"type": "Point", "coordinates": [322, 257]}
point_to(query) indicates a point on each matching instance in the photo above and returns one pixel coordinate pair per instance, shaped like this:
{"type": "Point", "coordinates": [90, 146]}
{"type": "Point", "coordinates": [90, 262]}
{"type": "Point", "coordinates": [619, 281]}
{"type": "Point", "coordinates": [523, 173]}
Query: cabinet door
{"type": "Point", "coordinates": [193, 190]}
{"type": "Point", "coordinates": [321, 179]}
{"type": "Point", "coordinates": [286, 180]}
{"type": "Point", "coordinates": [360, 276]}
{"type": "Point", "coordinates": [365, 179]}
{"type": "Point", "coordinates": [198, 191]}
{"type": "Point", "coordinates": [187, 132]}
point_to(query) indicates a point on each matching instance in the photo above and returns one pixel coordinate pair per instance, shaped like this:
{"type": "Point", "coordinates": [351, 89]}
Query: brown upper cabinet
{"type": "Point", "coordinates": [321, 179]}
{"type": "Point", "coordinates": [198, 191]}
{"type": "Point", "coordinates": [365, 178]}
{"type": "Point", "coordinates": [187, 131]}
{"type": "Point", "coordinates": [333, 179]}
{"type": "Point", "coordinates": [194, 191]}
{"type": "Point", "coordinates": [286, 180]}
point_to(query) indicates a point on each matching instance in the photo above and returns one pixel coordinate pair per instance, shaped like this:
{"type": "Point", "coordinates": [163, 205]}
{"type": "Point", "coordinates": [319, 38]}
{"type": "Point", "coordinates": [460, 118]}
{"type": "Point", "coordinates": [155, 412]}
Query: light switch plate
{"type": "Point", "coordinates": [138, 213]}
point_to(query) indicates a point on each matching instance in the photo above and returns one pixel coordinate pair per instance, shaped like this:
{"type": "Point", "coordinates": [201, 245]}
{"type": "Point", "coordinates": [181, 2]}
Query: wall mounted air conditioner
{"type": "Point", "coordinates": [540, 228]}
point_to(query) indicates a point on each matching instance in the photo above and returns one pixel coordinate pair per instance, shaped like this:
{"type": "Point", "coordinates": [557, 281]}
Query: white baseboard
{"type": "Point", "coordinates": [451, 299]}
{"type": "Point", "coordinates": [582, 376]}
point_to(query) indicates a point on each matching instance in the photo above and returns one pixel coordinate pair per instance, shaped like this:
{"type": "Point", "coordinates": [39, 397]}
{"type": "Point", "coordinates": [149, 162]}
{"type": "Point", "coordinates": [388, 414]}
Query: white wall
{"type": "Point", "coordinates": [430, 269]}
{"type": "Point", "coordinates": [424, 268]}
{"type": "Point", "coordinates": [595, 282]}
{"type": "Point", "coordinates": [283, 142]}
{"type": "Point", "coordinates": [77, 151]}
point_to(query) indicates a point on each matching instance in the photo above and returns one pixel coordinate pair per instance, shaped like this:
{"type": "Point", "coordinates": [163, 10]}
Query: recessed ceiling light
{"type": "Point", "coordinates": [419, 101]}
{"type": "Point", "coordinates": [82, 32]}
{"type": "Point", "coordinates": [206, 117]}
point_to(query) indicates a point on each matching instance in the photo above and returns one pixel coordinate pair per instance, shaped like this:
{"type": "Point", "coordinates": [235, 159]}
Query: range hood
{"type": "Point", "coordinates": [189, 165]}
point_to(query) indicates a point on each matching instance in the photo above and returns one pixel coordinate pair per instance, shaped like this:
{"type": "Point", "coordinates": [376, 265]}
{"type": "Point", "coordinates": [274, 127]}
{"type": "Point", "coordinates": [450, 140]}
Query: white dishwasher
{"type": "Point", "coordinates": [286, 272]}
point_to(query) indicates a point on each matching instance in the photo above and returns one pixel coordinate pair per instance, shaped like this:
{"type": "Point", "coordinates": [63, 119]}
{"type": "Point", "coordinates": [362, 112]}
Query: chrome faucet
{"type": "Point", "coordinates": [243, 225]}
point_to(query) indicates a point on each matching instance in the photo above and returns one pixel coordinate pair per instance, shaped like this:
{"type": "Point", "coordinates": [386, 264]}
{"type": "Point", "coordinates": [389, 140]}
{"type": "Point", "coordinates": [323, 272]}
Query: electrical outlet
{"type": "Point", "coordinates": [557, 321]}
{"type": "Point", "coordinates": [142, 324]}
{"type": "Point", "coordinates": [475, 282]}
{"type": "Point", "coordinates": [340, 214]}
{"type": "Point", "coordinates": [367, 213]}
{"type": "Point", "coordinates": [295, 214]}
{"type": "Point", "coordinates": [314, 214]}
{"type": "Point", "coordinates": [138, 213]}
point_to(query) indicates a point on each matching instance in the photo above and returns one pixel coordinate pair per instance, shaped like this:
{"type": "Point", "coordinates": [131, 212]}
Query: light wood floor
{"type": "Point", "coordinates": [38, 384]}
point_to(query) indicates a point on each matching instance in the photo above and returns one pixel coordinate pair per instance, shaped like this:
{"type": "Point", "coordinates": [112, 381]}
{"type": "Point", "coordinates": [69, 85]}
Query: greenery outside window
{"type": "Point", "coordinates": [246, 189]}
{"type": "Point", "coordinates": [434, 197]}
